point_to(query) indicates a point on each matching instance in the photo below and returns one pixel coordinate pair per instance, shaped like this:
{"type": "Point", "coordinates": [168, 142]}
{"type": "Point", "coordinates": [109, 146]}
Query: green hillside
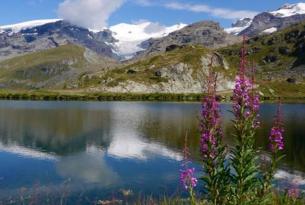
{"type": "Point", "coordinates": [53, 68]}
{"type": "Point", "coordinates": [279, 60]}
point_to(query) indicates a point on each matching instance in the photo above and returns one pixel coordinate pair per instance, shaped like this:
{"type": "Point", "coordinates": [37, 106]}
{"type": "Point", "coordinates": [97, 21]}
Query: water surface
{"type": "Point", "coordinates": [86, 151]}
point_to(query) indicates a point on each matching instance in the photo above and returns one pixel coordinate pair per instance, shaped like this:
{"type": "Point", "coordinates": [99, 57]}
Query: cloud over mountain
{"type": "Point", "coordinates": [92, 14]}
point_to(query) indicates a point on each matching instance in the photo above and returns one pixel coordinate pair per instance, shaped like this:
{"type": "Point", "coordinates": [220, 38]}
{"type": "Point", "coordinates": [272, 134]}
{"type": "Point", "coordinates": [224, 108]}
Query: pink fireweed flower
{"type": "Point", "coordinates": [210, 127]}
{"type": "Point", "coordinates": [245, 102]}
{"type": "Point", "coordinates": [276, 139]}
{"type": "Point", "coordinates": [188, 179]}
{"type": "Point", "coordinates": [210, 124]}
{"type": "Point", "coordinates": [245, 99]}
{"type": "Point", "coordinates": [293, 193]}
{"type": "Point", "coordinates": [187, 175]}
{"type": "Point", "coordinates": [276, 135]}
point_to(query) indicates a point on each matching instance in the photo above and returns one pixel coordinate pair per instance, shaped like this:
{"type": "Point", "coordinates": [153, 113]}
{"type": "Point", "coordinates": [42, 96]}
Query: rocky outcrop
{"type": "Point", "coordinates": [177, 78]}
{"type": "Point", "coordinates": [242, 22]}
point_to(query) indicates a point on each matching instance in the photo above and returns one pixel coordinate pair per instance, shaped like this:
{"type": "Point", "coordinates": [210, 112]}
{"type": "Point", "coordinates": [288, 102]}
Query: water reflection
{"type": "Point", "coordinates": [101, 147]}
{"type": "Point", "coordinates": [89, 167]}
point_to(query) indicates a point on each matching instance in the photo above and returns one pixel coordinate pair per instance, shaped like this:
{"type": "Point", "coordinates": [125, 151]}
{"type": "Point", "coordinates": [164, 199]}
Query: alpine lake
{"type": "Point", "coordinates": [82, 152]}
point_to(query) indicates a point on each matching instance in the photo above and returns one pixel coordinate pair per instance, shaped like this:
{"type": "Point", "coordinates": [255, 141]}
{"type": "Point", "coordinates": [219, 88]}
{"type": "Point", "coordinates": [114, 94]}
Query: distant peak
{"type": "Point", "coordinates": [289, 10]}
{"type": "Point", "coordinates": [242, 22]}
{"type": "Point", "coordinates": [28, 24]}
{"type": "Point", "coordinates": [291, 6]}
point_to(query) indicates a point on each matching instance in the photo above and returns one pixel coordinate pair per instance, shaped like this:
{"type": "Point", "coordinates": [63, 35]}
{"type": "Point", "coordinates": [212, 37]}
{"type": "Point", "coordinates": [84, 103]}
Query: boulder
{"type": "Point", "coordinates": [291, 80]}
{"type": "Point", "coordinates": [270, 59]}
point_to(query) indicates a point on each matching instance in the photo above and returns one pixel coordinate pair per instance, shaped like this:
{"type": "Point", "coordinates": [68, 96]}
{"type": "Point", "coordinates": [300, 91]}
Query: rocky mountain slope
{"type": "Point", "coordinates": [40, 35]}
{"type": "Point", "coordinates": [206, 33]}
{"type": "Point", "coordinates": [269, 22]}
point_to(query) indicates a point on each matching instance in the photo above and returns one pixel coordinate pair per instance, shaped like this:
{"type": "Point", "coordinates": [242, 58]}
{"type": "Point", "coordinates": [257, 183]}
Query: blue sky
{"type": "Point", "coordinates": [165, 12]}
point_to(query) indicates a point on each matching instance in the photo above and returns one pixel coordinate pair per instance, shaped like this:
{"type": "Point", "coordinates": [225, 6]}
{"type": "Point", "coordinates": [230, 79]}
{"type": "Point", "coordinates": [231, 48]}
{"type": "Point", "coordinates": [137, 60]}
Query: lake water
{"type": "Point", "coordinates": [80, 152]}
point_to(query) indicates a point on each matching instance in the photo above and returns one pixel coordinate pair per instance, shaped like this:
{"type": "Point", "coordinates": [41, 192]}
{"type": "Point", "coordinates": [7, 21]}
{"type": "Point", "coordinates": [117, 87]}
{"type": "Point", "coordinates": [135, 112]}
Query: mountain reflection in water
{"type": "Point", "coordinates": [96, 148]}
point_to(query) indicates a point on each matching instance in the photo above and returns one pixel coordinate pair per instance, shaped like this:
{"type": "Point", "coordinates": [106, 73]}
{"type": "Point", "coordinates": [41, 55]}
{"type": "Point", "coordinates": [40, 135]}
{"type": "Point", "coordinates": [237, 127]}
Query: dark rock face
{"type": "Point", "coordinates": [52, 35]}
{"type": "Point", "coordinates": [105, 36]}
{"type": "Point", "coordinates": [172, 47]}
{"type": "Point", "coordinates": [205, 33]}
{"type": "Point", "coordinates": [266, 20]}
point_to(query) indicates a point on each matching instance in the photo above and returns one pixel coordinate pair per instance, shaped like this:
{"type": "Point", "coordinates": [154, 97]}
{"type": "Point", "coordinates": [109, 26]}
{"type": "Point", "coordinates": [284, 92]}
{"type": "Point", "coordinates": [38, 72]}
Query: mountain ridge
{"type": "Point", "coordinates": [270, 21]}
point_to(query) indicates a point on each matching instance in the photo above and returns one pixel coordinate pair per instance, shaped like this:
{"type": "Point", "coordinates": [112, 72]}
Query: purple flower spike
{"type": "Point", "coordinates": [210, 124]}
{"type": "Point", "coordinates": [276, 135]}
{"type": "Point", "coordinates": [276, 139]}
{"type": "Point", "coordinates": [210, 127]}
{"type": "Point", "coordinates": [188, 179]}
{"type": "Point", "coordinates": [245, 102]}
{"type": "Point", "coordinates": [187, 175]}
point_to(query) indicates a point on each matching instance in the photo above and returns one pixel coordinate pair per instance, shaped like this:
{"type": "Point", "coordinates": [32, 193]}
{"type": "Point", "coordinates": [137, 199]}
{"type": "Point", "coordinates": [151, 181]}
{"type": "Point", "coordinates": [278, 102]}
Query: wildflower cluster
{"type": "Point", "coordinates": [233, 176]}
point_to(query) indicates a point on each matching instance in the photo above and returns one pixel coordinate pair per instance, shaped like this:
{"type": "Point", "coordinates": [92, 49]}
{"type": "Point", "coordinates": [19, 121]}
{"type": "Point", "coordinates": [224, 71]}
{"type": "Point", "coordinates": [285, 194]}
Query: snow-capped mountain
{"type": "Point", "coordinates": [130, 36]}
{"type": "Point", "coordinates": [269, 22]}
{"type": "Point", "coordinates": [123, 39]}
{"type": "Point", "coordinates": [289, 10]}
{"type": "Point", "coordinates": [26, 25]}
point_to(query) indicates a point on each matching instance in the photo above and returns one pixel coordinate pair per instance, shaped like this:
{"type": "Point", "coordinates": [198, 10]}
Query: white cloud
{"type": "Point", "coordinates": [217, 12]}
{"type": "Point", "coordinates": [92, 14]}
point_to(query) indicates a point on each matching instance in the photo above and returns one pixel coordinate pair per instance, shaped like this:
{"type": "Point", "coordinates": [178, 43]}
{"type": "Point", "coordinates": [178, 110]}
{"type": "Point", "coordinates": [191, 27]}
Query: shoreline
{"type": "Point", "coordinates": [158, 97]}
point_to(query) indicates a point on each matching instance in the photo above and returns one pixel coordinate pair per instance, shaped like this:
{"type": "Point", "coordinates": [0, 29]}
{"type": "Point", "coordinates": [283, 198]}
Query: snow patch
{"type": "Point", "coordinates": [237, 30]}
{"type": "Point", "coordinates": [289, 10]}
{"type": "Point", "coordinates": [270, 30]}
{"type": "Point", "coordinates": [15, 28]}
{"type": "Point", "coordinates": [130, 36]}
